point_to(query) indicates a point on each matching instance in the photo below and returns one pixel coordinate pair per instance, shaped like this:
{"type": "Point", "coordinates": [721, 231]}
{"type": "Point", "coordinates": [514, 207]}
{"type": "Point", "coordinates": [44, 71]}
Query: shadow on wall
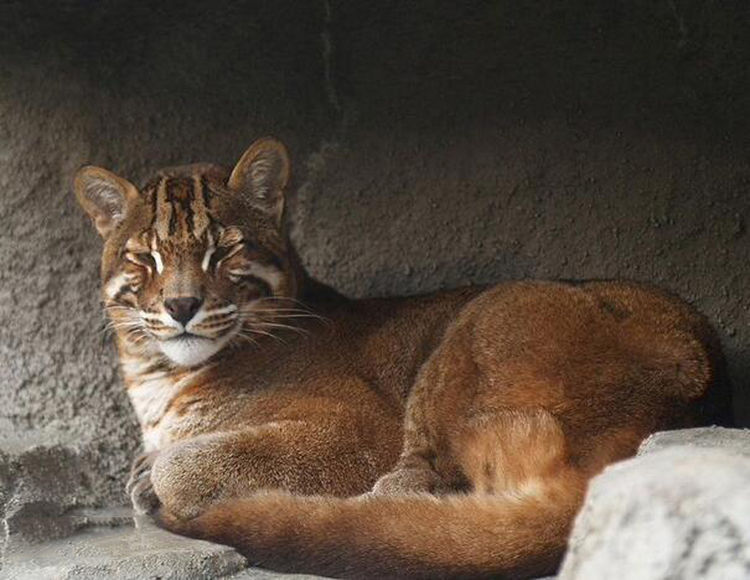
{"type": "Point", "coordinates": [437, 144]}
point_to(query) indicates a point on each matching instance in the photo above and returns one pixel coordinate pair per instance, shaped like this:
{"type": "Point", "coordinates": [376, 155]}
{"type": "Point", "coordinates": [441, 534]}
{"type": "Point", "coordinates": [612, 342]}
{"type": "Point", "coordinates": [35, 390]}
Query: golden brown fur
{"type": "Point", "coordinates": [471, 420]}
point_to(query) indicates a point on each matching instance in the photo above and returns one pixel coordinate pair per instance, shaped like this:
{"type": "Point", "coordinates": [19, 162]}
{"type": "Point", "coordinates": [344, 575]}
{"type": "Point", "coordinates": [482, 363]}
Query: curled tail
{"type": "Point", "coordinates": [519, 531]}
{"type": "Point", "coordinates": [417, 536]}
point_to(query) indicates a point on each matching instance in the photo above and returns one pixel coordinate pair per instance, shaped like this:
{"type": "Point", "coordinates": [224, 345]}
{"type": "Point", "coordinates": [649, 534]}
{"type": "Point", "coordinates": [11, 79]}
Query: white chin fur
{"type": "Point", "coordinates": [191, 351]}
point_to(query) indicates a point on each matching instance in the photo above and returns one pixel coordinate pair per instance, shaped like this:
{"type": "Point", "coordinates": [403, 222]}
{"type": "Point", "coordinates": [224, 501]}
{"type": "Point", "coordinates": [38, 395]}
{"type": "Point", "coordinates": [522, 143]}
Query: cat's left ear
{"type": "Point", "coordinates": [261, 175]}
{"type": "Point", "coordinates": [104, 196]}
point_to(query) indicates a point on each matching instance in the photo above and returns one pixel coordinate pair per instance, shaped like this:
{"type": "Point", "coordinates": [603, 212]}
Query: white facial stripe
{"type": "Point", "coordinates": [269, 274]}
{"type": "Point", "coordinates": [158, 261]}
{"type": "Point", "coordinates": [207, 258]}
{"type": "Point", "coordinates": [209, 252]}
{"type": "Point", "coordinates": [114, 286]}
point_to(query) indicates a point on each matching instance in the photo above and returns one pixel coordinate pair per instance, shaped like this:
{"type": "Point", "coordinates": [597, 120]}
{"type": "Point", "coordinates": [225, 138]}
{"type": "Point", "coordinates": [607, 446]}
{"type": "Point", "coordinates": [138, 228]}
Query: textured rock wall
{"type": "Point", "coordinates": [436, 144]}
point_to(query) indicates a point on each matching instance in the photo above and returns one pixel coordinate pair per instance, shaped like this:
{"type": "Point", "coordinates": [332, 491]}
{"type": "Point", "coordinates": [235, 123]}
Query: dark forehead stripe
{"type": "Point", "coordinates": [150, 194]}
{"type": "Point", "coordinates": [180, 194]}
{"type": "Point", "coordinates": [205, 193]}
{"type": "Point", "coordinates": [180, 209]}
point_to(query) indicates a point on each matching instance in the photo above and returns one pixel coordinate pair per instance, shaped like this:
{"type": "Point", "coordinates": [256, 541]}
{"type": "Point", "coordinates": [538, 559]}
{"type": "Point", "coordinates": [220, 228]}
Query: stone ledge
{"type": "Point", "coordinates": [124, 552]}
{"type": "Point", "coordinates": [731, 440]}
{"type": "Point", "coordinates": [260, 574]}
{"type": "Point", "coordinates": [46, 477]}
{"type": "Point", "coordinates": [679, 511]}
{"type": "Point", "coordinates": [675, 511]}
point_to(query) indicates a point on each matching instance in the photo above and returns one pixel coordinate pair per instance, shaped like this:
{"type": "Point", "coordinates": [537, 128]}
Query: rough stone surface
{"type": "Point", "coordinates": [679, 512]}
{"type": "Point", "coordinates": [435, 144]}
{"type": "Point", "coordinates": [501, 140]}
{"type": "Point", "coordinates": [46, 477]}
{"type": "Point", "coordinates": [259, 574]}
{"type": "Point", "coordinates": [732, 440]}
{"type": "Point", "coordinates": [110, 84]}
{"type": "Point", "coordinates": [124, 553]}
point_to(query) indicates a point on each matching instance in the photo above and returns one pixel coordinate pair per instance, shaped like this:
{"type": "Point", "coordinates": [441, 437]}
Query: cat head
{"type": "Point", "coordinates": [198, 257]}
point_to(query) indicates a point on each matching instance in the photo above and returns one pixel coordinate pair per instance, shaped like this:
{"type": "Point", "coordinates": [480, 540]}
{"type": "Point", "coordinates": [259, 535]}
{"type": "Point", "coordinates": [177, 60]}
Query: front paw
{"type": "Point", "coordinates": [410, 480]}
{"type": "Point", "coordinates": [139, 486]}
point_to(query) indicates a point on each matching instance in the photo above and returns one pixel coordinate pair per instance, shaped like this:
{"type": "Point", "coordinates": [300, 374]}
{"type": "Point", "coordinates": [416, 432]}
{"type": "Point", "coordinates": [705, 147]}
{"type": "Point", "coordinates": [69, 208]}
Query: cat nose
{"type": "Point", "coordinates": [182, 309]}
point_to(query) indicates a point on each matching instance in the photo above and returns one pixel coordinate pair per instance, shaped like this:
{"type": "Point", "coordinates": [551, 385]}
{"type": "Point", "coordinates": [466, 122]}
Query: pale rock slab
{"type": "Point", "coordinates": [732, 440]}
{"type": "Point", "coordinates": [123, 553]}
{"type": "Point", "coordinates": [677, 512]}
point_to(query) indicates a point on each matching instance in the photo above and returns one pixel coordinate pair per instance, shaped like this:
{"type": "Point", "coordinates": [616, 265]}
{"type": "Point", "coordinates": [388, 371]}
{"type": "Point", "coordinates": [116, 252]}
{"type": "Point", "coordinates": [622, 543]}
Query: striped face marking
{"type": "Point", "coordinates": [210, 249]}
{"type": "Point", "coordinates": [157, 261]}
{"type": "Point", "coordinates": [195, 260]}
{"type": "Point", "coordinates": [180, 208]}
{"type": "Point", "coordinates": [269, 275]}
{"type": "Point", "coordinates": [187, 251]}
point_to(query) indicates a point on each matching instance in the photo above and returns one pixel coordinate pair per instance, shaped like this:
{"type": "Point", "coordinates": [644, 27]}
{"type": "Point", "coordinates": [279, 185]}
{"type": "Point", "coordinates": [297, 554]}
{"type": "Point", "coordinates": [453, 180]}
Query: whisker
{"type": "Point", "coordinates": [282, 299]}
{"type": "Point", "coordinates": [264, 333]}
{"type": "Point", "coordinates": [128, 326]}
{"type": "Point", "coordinates": [246, 337]}
{"type": "Point", "coordinates": [282, 326]}
{"type": "Point", "coordinates": [262, 317]}
{"type": "Point", "coordinates": [284, 313]}
{"type": "Point", "coordinates": [126, 323]}
{"type": "Point", "coordinates": [283, 310]}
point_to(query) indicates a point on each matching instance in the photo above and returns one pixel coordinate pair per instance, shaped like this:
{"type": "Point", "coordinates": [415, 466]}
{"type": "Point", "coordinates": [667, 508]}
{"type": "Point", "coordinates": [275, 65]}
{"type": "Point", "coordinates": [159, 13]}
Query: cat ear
{"type": "Point", "coordinates": [261, 175]}
{"type": "Point", "coordinates": [103, 196]}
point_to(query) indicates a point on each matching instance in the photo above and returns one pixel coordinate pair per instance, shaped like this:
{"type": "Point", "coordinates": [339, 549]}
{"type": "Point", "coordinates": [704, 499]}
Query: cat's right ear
{"type": "Point", "coordinates": [104, 197]}
{"type": "Point", "coordinates": [261, 175]}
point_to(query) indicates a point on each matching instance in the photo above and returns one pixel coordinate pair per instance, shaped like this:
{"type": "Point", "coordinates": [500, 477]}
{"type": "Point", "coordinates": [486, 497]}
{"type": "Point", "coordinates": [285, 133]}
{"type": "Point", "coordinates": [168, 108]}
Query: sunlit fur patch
{"type": "Point", "coordinates": [210, 250]}
{"type": "Point", "coordinates": [157, 261]}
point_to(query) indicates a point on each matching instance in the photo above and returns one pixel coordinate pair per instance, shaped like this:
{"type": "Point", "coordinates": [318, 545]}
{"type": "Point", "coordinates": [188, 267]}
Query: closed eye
{"type": "Point", "coordinates": [250, 280]}
{"type": "Point", "coordinates": [238, 275]}
{"type": "Point", "coordinates": [215, 256]}
{"type": "Point", "coordinates": [150, 260]}
{"type": "Point", "coordinates": [141, 259]}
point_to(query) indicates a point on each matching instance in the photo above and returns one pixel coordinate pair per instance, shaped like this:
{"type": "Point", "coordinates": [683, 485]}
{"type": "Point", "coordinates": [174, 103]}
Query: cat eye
{"type": "Point", "coordinates": [250, 281]}
{"type": "Point", "coordinates": [221, 253]}
{"type": "Point", "coordinates": [237, 276]}
{"type": "Point", "coordinates": [150, 260]}
{"type": "Point", "coordinates": [217, 255]}
{"type": "Point", "coordinates": [213, 257]}
{"type": "Point", "coordinates": [145, 259]}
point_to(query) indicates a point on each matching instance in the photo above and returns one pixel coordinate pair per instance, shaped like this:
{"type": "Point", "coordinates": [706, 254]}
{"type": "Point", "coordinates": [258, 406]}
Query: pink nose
{"type": "Point", "coordinates": [182, 309]}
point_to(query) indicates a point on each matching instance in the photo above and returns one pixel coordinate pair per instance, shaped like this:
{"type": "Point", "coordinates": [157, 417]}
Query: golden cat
{"type": "Point", "coordinates": [448, 435]}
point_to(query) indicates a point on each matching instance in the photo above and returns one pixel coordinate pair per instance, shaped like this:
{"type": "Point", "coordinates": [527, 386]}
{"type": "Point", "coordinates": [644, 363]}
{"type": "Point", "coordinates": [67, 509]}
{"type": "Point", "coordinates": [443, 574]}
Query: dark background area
{"type": "Point", "coordinates": [435, 144]}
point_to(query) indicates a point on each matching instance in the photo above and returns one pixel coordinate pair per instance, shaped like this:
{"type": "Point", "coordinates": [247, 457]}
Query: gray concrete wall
{"type": "Point", "coordinates": [436, 144]}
